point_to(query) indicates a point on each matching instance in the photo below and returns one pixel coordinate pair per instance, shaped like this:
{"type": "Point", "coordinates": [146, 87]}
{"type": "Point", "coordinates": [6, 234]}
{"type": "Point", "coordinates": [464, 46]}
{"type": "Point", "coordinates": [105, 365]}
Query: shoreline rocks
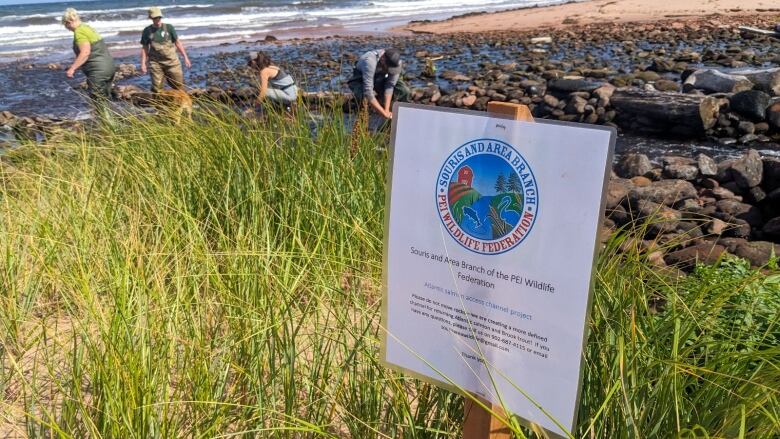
{"type": "Point", "coordinates": [695, 209]}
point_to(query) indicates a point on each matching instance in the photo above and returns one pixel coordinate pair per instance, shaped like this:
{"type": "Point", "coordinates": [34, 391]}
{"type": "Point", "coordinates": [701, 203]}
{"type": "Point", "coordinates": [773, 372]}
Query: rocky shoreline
{"type": "Point", "coordinates": [690, 209]}
{"type": "Point", "coordinates": [684, 79]}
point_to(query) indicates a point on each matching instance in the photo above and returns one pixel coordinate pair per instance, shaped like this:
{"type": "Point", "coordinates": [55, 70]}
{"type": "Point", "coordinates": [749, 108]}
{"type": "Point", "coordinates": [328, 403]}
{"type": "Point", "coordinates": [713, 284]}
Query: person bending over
{"type": "Point", "coordinates": [92, 58]}
{"type": "Point", "coordinates": [275, 83]}
{"type": "Point", "coordinates": [376, 77]}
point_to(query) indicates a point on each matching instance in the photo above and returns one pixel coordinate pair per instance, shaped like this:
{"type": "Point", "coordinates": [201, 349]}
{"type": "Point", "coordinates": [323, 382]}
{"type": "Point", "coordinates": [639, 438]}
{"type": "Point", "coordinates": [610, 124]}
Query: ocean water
{"type": "Point", "coordinates": [35, 31]}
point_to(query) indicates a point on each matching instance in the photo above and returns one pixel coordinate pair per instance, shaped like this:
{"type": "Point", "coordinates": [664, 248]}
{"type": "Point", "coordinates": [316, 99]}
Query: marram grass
{"type": "Point", "coordinates": [221, 278]}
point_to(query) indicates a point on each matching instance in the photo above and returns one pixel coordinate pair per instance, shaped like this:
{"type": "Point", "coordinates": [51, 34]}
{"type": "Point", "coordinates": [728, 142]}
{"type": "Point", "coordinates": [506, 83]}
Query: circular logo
{"type": "Point", "coordinates": [487, 197]}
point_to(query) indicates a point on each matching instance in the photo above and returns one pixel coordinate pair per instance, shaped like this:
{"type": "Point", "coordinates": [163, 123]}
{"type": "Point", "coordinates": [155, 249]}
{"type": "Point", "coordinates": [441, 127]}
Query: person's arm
{"type": "Point", "coordinates": [183, 52]}
{"type": "Point", "coordinates": [368, 69]}
{"type": "Point", "coordinates": [84, 50]}
{"type": "Point", "coordinates": [389, 87]}
{"type": "Point", "coordinates": [144, 57]}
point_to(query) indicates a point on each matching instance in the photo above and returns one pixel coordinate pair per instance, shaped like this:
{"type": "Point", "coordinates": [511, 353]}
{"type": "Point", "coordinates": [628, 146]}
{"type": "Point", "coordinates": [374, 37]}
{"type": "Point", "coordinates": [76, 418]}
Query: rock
{"type": "Point", "coordinates": [666, 192]}
{"type": "Point", "coordinates": [269, 38]}
{"type": "Point", "coordinates": [648, 76]}
{"type": "Point", "coordinates": [551, 100]}
{"type": "Point", "coordinates": [748, 171]}
{"type": "Point", "coordinates": [658, 218]}
{"type": "Point", "coordinates": [571, 85]}
{"type": "Point", "coordinates": [771, 174]}
{"type": "Point", "coordinates": [721, 193]}
{"type": "Point", "coordinates": [662, 65]}
{"type": "Point", "coordinates": [746, 127]}
{"type": "Point", "coordinates": [714, 81]}
{"type": "Point", "coordinates": [452, 75]}
{"type": "Point", "coordinates": [604, 92]}
{"type": "Point", "coordinates": [576, 105]}
{"type": "Point", "coordinates": [716, 226]}
{"type": "Point", "coordinates": [617, 189]}
{"type": "Point", "coordinates": [687, 258]}
{"type": "Point", "coordinates": [757, 252]}
{"type": "Point", "coordinates": [772, 228]}
{"type": "Point", "coordinates": [541, 40]}
{"type": "Point", "coordinates": [743, 211]}
{"type": "Point", "coordinates": [773, 115]}
{"type": "Point", "coordinates": [755, 195]}
{"type": "Point", "coordinates": [125, 71]}
{"type": "Point", "coordinates": [707, 166]}
{"type": "Point", "coordinates": [766, 80]}
{"type": "Point", "coordinates": [751, 104]}
{"type": "Point", "coordinates": [641, 181]}
{"type": "Point", "coordinates": [469, 100]}
{"type": "Point", "coordinates": [666, 85]}
{"type": "Point", "coordinates": [680, 167]}
{"type": "Point", "coordinates": [632, 165]}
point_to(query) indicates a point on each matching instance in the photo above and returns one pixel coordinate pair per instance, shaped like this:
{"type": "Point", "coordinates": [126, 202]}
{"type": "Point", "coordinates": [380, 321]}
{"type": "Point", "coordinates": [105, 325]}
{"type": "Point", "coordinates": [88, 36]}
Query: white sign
{"type": "Point", "coordinates": [490, 244]}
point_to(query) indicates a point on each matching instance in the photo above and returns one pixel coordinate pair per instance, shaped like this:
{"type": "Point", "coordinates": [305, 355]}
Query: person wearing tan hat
{"type": "Point", "coordinates": [160, 43]}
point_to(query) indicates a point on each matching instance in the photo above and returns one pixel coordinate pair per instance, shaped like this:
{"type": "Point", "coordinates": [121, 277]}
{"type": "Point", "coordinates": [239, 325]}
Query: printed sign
{"type": "Point", "coordinates": [490, 241]}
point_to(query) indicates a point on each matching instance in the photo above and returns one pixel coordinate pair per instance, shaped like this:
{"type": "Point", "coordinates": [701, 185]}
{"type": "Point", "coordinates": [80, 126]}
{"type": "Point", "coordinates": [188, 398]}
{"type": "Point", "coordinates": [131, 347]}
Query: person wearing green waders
{"type": "Point", "coordinates": [92, 57]}
{"type": "Point", "coordinates": [160, 43]}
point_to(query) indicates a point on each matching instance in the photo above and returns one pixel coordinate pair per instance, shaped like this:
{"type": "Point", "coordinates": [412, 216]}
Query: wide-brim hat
{"type": "Point", "coordinates": [155, 12]}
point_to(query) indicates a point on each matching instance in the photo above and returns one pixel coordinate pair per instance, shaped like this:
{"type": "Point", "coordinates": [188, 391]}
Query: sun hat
{"type": "Point", "coordinates": [393, 61]}
{"type": "Point", "coordinates": [155, 12]}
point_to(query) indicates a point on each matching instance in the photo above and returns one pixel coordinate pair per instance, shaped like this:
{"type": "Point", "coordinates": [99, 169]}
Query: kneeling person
{"type": "Point", "coordinates": [275, 84]}
{"type": "Point", "coordinates": [160, 43]}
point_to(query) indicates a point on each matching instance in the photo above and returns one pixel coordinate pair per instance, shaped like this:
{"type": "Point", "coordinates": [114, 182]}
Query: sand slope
{"type": "Point", "coordinates": [598, 11]}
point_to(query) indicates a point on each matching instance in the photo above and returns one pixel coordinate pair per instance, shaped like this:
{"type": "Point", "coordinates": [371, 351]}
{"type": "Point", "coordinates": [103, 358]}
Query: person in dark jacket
{"type": "Point", "coordinates": [92, 58]}
{"type": "Point", "coordinates": [376, 80]}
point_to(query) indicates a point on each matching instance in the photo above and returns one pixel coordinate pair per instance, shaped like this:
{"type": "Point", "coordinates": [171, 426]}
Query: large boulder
{"type": "Point", "coordinates": [666, 192]}
{"type": "Point", "coordinates": [751, 104]}
{"type": "Point", "coordinates": [743, 211]}
{"type": "Point", "coordinates": [713, 81]}
{"type": "Point", "coordinates": [767, 80]}
{"type": "Point", "coordinates": [687, 258]}
{"type": "Point", "coordinates": [748, 171]}
{"type": "Point", "coordinates": [757, 252]}
{"type": "Point", "coordinates": [771, 178]}
{"type": "Point", "coordinates": [633, 165]}
{"type": "Point", "coordinates": [772, 229]}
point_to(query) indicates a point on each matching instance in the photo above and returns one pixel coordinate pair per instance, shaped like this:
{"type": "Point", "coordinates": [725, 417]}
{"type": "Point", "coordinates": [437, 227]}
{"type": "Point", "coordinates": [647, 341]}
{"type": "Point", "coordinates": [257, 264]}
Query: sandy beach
{"type": "Point", "coordinates": [599, 11]}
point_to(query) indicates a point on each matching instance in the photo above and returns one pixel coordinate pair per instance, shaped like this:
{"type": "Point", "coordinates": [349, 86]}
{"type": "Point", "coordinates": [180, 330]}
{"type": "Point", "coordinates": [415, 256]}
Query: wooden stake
{"type": "Point", "coordinates": [478, 423]}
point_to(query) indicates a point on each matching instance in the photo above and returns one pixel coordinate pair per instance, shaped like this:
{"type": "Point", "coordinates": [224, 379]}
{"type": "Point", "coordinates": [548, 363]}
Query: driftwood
{"type": "Point", "coordinates": [756, 31]}
{"type": "Point", "coordinates": [666, 113]}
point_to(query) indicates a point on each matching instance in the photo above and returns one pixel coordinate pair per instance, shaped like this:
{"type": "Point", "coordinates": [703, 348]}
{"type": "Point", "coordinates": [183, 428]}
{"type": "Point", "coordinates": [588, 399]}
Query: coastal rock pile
{"type": "Point", "coordinates": [692, 209]}
{"type": "Point", "coordinates": [37, 128]}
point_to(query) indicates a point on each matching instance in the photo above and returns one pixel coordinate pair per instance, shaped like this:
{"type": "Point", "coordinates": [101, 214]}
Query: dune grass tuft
{"type": "Point", "coordinates": [220, 278]}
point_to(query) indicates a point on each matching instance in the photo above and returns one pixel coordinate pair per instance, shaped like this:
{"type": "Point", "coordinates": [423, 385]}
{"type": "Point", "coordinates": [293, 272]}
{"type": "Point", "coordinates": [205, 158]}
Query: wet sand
{"type": "Point", "coordinates": [598, 11]}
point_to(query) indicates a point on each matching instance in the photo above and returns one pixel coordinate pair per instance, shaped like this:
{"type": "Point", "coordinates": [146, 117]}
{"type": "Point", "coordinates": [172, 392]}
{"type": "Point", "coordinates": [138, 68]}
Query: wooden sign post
{"type": "Point", "coordinates": [478, 423]}
{"type": "Point", "coordinates": [473, 290]}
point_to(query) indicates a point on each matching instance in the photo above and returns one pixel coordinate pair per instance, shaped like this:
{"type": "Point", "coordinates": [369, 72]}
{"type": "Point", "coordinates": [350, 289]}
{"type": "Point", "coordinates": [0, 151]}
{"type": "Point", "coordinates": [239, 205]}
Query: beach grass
{"type": "Point", "coordinates": [222, 278]}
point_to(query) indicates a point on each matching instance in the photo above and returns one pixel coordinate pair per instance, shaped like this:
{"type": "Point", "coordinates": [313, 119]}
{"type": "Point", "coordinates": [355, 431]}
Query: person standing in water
{"type": "Point", "coordinates": [92, 57]}
{"type": "Point", "coordinates": [160, 43]}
